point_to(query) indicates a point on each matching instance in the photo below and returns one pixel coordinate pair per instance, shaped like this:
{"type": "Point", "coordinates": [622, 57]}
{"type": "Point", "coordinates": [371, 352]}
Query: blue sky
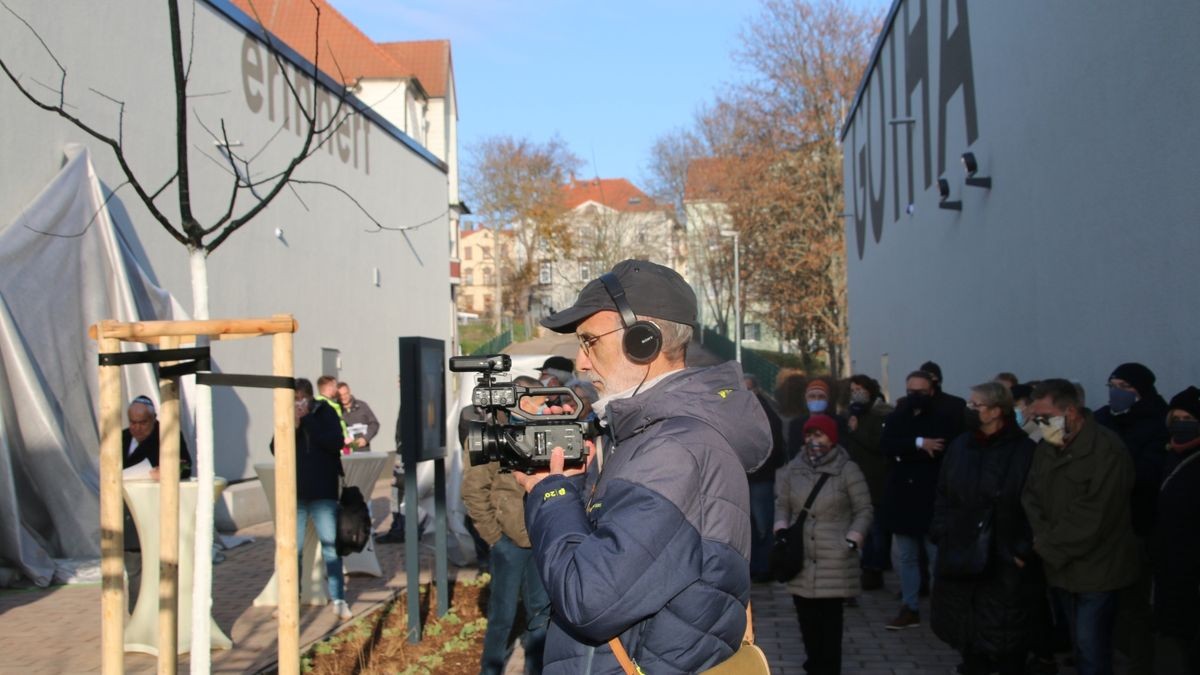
{"type": "Point", "coordinates": [608, 77]}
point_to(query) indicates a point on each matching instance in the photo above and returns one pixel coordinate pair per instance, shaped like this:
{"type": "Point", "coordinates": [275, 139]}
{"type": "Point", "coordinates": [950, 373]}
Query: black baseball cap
{"type": "Point", "coordinates": [652, 290]}
{"type": "Point", "coordinates": [558, 363]}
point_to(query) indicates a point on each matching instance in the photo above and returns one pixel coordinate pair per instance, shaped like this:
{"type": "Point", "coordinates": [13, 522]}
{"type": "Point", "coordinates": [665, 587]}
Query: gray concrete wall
{"type": "Point", "coordinates": [321, 269]}
{"type": "Point", "coordinates": [1082, 254]}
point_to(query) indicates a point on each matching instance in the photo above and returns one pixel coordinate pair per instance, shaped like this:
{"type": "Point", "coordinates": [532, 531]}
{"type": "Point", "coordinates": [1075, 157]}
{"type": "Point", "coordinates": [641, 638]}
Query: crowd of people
{"type": "Point", "coordinates": [1035, 524]}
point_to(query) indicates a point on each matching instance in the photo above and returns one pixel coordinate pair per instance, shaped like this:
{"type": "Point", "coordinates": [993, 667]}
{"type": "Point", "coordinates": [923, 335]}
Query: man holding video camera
{"type": "Point", "coordinates": [645, 552]}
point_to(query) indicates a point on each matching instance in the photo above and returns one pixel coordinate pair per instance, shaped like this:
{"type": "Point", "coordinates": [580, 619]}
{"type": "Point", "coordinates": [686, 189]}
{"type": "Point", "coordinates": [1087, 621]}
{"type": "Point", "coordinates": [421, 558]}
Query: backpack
{"type": "Point", "coordinates": [353, 522]}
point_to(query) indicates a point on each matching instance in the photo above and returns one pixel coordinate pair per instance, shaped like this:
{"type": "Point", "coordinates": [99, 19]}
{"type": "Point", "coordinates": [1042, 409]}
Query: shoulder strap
{"type": "Point", "coordinates": [1187, 460]}
{"type": "Point", "coordinates": [627, 664]}
{"type": "Point", "coordinates": [812, 496]}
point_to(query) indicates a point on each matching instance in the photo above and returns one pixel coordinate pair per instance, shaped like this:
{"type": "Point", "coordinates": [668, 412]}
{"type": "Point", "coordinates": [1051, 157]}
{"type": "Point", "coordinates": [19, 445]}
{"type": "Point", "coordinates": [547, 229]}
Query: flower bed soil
{"type": "Point", "coordinates": [377, 644]}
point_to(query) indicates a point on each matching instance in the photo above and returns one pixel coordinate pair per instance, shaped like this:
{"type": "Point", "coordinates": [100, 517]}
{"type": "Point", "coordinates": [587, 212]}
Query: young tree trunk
{"type": "Point", "coordinates": [205, 472]}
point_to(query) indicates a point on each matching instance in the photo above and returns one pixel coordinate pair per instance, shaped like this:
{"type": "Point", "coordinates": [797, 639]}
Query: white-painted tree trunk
{"type": "Point", "coordinates": [205, 471]}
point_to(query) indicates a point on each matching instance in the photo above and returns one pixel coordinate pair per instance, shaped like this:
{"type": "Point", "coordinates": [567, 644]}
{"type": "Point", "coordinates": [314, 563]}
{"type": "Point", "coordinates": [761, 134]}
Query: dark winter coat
{"type": "Point", "coordinates": [863, 446]}
{"type": "Point", "coordinates": [912, 484]}
{"type": "Point", "coordinates": [319, 444]}
{"type": "Point", "coordinates": [1175, 549]}
{"type": "Point", "coordinates": [993, 614]}
{"type": "Point", "coordinates": [1077, 501]}
{"type": "Point", "coordinates": [1143, 429]}
{"type": "Point", "coordinates": [656, 548]}
{"type": "Point", "coordinates": [148, 450]}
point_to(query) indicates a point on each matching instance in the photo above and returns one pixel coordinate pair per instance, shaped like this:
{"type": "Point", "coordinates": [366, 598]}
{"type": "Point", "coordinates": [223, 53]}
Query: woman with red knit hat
{"type": "Point", "coordinates": [836, 519]}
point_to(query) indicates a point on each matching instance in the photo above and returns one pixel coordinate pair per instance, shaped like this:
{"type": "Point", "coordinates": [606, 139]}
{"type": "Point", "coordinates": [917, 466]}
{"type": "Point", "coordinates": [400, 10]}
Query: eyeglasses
{"type": "Point", "coordinates": [972, 405]}
{"type": "Point", "coordinates": [587, 341]}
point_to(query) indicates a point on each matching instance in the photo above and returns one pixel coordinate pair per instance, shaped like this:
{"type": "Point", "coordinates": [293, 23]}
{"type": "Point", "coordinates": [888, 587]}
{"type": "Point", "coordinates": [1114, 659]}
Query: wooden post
{"type": "Point", "coordinates": [112, 519]}
{"type": "Point", "coordinates": [168, 483]}
{"type": "Point", "coordinates": [286, 559]}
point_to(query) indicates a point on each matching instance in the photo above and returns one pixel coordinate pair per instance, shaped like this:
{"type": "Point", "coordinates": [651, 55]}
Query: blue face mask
{"type": "Point", "coordinates": [1020, 417]}
{"type": "Point", "coordinates": [1120, 400]}
{"type": "Point", "coordinates": [817, 406]}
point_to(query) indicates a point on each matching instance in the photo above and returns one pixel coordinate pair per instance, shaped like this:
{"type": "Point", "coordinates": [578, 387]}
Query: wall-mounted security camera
{"type": "Point", "coordinates": [972, 167]}
{"type": "Point", "coordinates": [944, 193]}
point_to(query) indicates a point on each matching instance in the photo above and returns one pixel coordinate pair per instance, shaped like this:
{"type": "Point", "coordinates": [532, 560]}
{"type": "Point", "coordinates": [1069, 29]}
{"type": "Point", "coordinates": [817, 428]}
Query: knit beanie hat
{"type": "Point", "coordinates": [1137, 375]}
{"type": "Point", "coordinates": [819, 385]}
{"type": "Point", "coordinates": [825, 424]}
{"type": "Point", "coordinates": [1187, 400]}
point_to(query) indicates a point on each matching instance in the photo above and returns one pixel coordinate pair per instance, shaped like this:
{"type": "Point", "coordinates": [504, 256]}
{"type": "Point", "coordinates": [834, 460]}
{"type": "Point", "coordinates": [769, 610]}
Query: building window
{"type": "Point", "coordinates": [544, 274]}
{"type": "Point", "coordinates": [585, 271]}
{"type": "Point", "coordinates": [485, 252]}
{"type": "Point", "coordinates": [469, 277]}
{"type": "Point", "coordinates": [487, 303]}
{"type": "Point", "coordinates": [467, 252]}
{"type": "Point", "coordinates": [487, 276]}
{"type": "Point", "coordinates": [752, 332]}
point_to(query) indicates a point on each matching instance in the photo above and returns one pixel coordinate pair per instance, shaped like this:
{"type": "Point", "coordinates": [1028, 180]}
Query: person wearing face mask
{"type": "Point", "coordinates": [915, 435]}
{"type": "Point", "coordinates": [816, 402]}
{"type": "Point", "coordinates": [1175, 542]}
{"type": "Point", "coordinates": [834, 529]}
{"type": "Point", "coordinates": [1136, 411]}
{"type": "Point", "coordinates": [985, 601]}
{"type": "Point", "coordinates": [1077, 499]}
{"type": "Point", "coordinates": [862, 432]}
{"type": "Point", "coordinates": [1022, 394]}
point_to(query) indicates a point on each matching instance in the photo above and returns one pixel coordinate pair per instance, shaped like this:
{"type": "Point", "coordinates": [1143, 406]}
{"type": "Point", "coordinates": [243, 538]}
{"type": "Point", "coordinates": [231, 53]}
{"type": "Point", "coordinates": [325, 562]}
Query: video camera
{"type": "Point", "coordinates": [520, 441]}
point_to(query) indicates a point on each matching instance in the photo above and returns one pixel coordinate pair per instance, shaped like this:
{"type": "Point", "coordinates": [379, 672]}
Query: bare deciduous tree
{"type": "Point", "coordinates": [251, 189]}
{"type": "Point", "coordinates": [516, 184]}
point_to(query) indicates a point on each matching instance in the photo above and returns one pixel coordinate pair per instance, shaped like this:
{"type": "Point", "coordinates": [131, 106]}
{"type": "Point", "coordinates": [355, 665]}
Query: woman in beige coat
{"type": "Point", "coordinates": [833, 531]}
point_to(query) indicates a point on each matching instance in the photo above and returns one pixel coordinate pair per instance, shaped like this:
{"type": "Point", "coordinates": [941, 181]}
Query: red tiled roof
{"type": "Point", "coordinates": [616, 193]}
{"type": "Point", "coordinates": [346, 53]}
{"type": "Point", "coordinates": [705, 179]}
{"type": "Point", "coordinates": [427, 60]}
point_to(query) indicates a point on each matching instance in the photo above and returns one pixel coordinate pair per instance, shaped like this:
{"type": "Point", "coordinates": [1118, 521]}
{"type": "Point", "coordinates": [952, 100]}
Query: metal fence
{"type": "Point", "coordinates": [494, 345]}
{"type": "Point", "coordinates": [752, 363]}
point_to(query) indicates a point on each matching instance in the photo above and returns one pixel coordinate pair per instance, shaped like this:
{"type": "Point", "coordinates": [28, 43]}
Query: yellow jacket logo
{"type": "Point", "coordinates": [554, 493]}
{"type": "Point", "coordinates": [724, 393]}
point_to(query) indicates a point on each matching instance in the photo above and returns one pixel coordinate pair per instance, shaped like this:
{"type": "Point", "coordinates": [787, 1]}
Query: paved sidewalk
{"type": "Point", "coordinates": [57, 630]}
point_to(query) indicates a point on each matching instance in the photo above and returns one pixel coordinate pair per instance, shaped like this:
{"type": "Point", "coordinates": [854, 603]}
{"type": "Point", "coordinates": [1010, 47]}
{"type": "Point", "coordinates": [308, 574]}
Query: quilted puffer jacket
{"type": "Point", "coordinates": [655, 548]}
{"type": "Point", "coordinates": [831, 568]}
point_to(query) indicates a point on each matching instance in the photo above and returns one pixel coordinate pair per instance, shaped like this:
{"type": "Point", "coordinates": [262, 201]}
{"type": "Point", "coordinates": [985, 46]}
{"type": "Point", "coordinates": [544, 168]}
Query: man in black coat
{"type": "Point", "coordinates": [914, 436]}
{"type": "Point", "coordinates": [1136, 412]}
{"type": "Point", "coordinates": [140, 441]}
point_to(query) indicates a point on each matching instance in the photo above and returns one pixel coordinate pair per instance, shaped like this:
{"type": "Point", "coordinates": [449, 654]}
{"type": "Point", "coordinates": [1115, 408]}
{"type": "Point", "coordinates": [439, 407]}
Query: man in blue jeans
{"type": "Point", "coordinates": [319, 443]}
{"type": "Point", "coordinates": [1077, 499]}
{"type": "Point", "coordinates": [496, 504]}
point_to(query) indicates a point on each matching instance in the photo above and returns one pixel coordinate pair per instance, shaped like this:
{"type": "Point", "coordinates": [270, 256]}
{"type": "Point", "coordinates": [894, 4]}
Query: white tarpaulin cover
{"type": "Point", "coordinates": [63, 267]}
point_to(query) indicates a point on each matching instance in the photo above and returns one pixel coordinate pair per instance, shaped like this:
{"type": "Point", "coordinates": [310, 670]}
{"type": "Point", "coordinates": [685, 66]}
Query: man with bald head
{"type": "Point", "coordinates": [140, 440]}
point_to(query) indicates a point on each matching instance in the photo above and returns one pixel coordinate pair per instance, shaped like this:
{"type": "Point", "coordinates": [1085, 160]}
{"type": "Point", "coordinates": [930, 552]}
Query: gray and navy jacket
{"type": "Point", "coordinates": [655, 548]}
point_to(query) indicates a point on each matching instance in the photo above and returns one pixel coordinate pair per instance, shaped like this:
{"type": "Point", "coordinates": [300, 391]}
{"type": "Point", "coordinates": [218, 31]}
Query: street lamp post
{"type": "Point", "coordinates": [737, 296]}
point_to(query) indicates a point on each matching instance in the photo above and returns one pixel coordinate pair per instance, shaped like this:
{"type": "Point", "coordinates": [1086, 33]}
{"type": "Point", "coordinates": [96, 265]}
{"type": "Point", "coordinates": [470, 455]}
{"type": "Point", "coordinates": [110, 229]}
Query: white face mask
{"type": "Point", "coordinates": [1054, 430]}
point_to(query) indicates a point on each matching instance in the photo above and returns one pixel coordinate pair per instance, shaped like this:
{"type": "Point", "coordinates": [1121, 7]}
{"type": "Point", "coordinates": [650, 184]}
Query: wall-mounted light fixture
{"type": "Point", "coordinates": [972, 167]}
{"type": "Point", "coordinates": [944, 193]}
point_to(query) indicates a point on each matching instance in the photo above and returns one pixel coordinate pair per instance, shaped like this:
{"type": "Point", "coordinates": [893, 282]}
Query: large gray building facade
{"type": "Point", "coordinates": [1081, 254]}
{"type": "Point", "coordinates": [353, 287]}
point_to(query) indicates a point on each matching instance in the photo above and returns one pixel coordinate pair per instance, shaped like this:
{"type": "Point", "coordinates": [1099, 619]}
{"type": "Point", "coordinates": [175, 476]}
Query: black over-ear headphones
{"type": "Point", "coordinates": [643, 340]}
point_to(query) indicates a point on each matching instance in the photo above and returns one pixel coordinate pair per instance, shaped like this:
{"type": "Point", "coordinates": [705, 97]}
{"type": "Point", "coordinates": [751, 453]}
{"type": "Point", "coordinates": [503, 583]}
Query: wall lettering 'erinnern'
{"type": "Point", "coordinates": [896, 101]}
{"type": "Point", "coordinates": [265, 88]}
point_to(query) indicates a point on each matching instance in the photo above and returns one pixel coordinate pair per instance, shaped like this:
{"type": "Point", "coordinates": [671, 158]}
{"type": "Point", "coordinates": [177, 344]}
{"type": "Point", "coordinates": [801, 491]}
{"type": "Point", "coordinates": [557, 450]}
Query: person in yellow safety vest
{"type": "Point", "coordinates": [327, 388]}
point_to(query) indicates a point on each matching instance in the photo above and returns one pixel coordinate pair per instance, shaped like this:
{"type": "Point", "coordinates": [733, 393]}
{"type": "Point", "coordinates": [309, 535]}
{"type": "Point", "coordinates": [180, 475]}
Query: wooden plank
{"type": "Point", "coordinates": [286, 560]}
{"type": "Point", "coordinates": [143, 330]}
{"type": "Point", "coordinates": [168, 480]}
{"type": "Point", "coordinates": [112, 519]}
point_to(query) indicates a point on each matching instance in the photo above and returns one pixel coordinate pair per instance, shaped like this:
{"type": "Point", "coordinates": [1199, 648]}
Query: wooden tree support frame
{"type": "Point", "coordinates": [169, 335]}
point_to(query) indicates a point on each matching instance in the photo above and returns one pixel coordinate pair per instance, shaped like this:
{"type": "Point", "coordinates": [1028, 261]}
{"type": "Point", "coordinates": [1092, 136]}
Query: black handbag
{"type": "Point", "coordinates": [966, 549]}
{"type": "Point", "coordinates": [787, 555]}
